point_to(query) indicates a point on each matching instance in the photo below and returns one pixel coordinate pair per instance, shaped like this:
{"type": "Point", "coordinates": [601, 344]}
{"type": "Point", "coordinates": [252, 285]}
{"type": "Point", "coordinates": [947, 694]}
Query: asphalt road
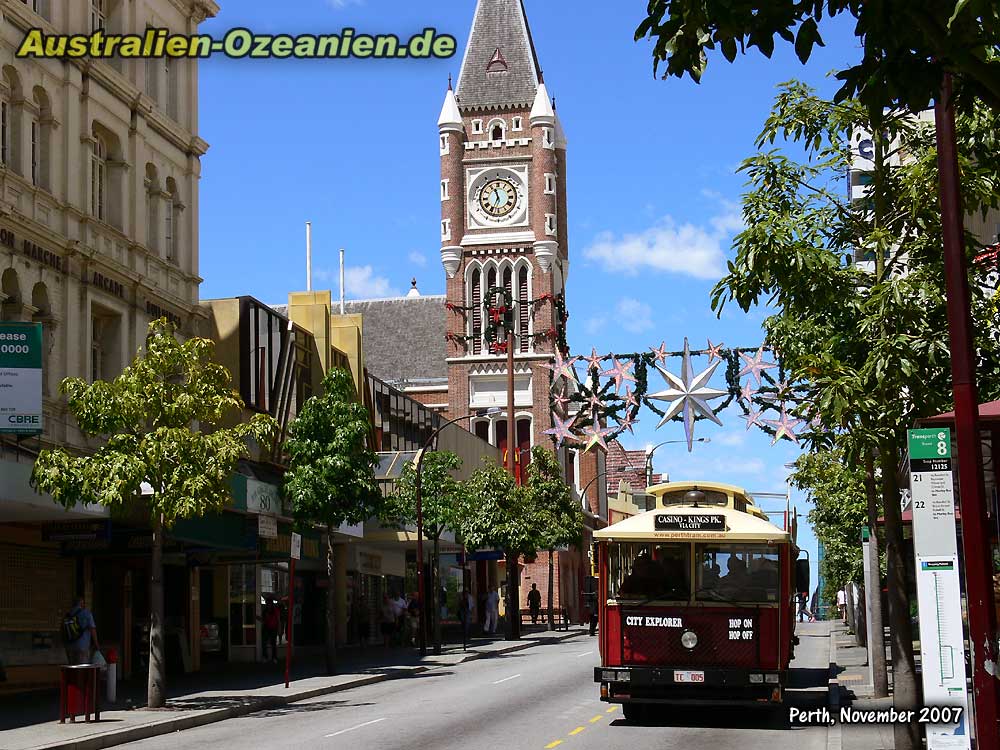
{"type": "Point", "coordinates": [542, 697]}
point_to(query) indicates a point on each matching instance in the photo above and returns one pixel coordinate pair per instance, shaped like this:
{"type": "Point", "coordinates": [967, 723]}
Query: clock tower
{"type": "Point", "coordinates": [503, 225]}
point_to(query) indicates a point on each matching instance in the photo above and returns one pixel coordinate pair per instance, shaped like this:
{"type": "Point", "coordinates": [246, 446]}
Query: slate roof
{"type": "Point", "coordinates": [404, 337]}
{"type": "Point", "coordinates": [498, 25]}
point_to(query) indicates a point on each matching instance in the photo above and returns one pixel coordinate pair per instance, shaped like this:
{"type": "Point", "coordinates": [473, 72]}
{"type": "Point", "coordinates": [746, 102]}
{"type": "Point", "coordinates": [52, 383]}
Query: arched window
{"type": "Point", "coordinates": [152, 77]}
{"type": "Point", "coordinates": [99, 179]}
{"type": "Point", "coordinates": [41, 139]}
{"type": "Point", "coordinates": [476, 313]}
{"type": "Point", "coordinates": [43, 315]}
{"type": "Point", "coordinates": [10, 120]}
{"type": "Point", "coordinates": [481, 428]}
{"type": "Point", "coordinates": [523, 442]}
{"type": "Point", "coordinates": [11, 293]}
{"type": "Point", "coordinates": [523, 308]}
{"type": "Point", "coordinates": [170, 221]}
{"type": "Point", "coordinates": [497, 130]}
{"type": "Point", "coordinates": [152, 185]}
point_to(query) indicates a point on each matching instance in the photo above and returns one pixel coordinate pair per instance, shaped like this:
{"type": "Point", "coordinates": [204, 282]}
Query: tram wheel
{"type": "Point", "coordinates": [633, 712]}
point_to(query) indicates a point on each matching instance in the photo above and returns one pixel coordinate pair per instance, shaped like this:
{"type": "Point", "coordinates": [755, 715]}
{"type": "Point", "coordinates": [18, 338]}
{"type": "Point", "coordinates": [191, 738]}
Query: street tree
{"type": "Point", "coordinates": [495, 515]}
{"type": "Point", "coordinates": [907, 44]}
{"type": "Point", "coordinates": [442, 501]}
{"type": "Point", "coordinates": [866, 342]}
{"type": "Point", "coordinates": [331, 473]}
{"type": "Point", "coordinates": [159, 420]}
{"type": "Point", "coordinates": [561, 519]}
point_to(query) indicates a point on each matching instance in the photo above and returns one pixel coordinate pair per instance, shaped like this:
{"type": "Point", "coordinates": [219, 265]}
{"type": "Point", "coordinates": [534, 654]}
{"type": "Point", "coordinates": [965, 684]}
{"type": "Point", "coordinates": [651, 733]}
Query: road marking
{"type": "Point", "coordinates": [512, 677]}
{"type": "Point", "coordinates": [585, 654]}
{"type": "Point", "coordinates": [553, 744]}
{"type": "Point", "coordinates": [611, 710]}
{"type": "Point", "coordinates": [576, 731]}
{"type": "Point", "coordinates": [351, 729]}
{"type": "Point", "coordinates": [596, 718]}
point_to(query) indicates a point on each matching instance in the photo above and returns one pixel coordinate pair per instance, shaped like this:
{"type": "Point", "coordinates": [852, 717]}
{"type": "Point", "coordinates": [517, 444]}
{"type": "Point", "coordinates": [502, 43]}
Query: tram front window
{"type": "Point", "coordinates": [736, 573]}
{"type": "Point", "coordinates": [650, 571]}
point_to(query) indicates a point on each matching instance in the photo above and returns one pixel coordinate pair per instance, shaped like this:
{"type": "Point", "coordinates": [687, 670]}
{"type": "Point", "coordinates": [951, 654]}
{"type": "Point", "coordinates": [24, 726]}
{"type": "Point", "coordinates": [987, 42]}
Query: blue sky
{"type": "Point", "coordinates": [351, 145]}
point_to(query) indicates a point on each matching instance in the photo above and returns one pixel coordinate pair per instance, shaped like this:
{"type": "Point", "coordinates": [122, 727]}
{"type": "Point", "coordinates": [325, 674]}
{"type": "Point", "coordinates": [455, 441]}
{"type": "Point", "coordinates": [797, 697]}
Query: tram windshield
{"type": "Point", "coordinates": [736, 573]}
{"type": "Point", "coordinates": [648, 571]}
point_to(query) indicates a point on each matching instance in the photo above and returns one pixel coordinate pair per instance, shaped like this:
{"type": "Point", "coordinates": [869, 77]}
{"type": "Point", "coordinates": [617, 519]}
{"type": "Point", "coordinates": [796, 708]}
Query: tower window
{"type": "Point", "coordinates": [547, 138]}
{"type": "Point", "coordinates": [497, 133]}
{"type": "Point", "coordinates": [444, 145]}
{"type": "Point", "coordinates": [516, 124]}
{"type": "Point", "coordinates": [444, 190]}
{"type": "Point", "coordinates": [550, 184]}
{"type": "Point", "coordinates": [550, 224]}
{"type": "Point", "coordinates": [477, 127]}
{"type": "Point", "coordinates": [446, 229]}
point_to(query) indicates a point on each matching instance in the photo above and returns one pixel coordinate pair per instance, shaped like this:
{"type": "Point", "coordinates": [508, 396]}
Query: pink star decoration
{"type": "Point", "coordinates": [596, 404]}
{"type": "Point", "coordinates": [561, 401]}
{"type": "Point", "coordinates": [748, 391]}
{"type": "Point", "coordinates": [714, 351]}
{"type": "Point", "coordinates": [630, 399]}
{"type": "Point", "coordinates": [660, 352]}
{"type": "Point", "coordinates": [619, 372]}
{"type": "Point", "coordinates": [595, 435]}
{"type": "Point", "coordinates": [752, 417]}
{"type": "Point", "coordinates": [627, 422]}
{"type": "Point", "coordinates": [755, 365]}
{"type": "Point", "coordinates": [563, 368]}
{"type": "Point", "coordinates": [594, 360]}
{"type": "Point", "coordinates": [562, 432]}
{"type": "Point", "coordinates": [784, 427]}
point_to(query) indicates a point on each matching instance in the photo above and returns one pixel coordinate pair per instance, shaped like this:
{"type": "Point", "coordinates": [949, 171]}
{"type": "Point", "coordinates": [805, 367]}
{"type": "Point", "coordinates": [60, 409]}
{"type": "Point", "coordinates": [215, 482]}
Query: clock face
{"type": "Point", "coordinates": [498, 197]}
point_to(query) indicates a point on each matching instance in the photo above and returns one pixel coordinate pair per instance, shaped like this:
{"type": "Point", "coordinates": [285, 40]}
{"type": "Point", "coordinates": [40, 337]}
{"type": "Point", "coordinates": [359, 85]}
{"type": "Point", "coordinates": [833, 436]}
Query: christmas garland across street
{"type": "Point", "coordinates": [606, 401]}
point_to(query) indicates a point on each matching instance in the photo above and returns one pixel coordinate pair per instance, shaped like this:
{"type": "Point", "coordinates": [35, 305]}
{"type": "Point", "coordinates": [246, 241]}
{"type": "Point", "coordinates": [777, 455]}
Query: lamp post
{"type": "Point", "coordinates": [420, 525]}
{"type": "Point", "coordinates": [651, 449]}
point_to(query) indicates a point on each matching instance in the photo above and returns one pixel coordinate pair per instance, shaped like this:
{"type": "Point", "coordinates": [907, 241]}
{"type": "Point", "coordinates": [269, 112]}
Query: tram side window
{"type": "Point", "coordinates": [736, 573]}
{"type": "Point", "coordinates": [650, 571]}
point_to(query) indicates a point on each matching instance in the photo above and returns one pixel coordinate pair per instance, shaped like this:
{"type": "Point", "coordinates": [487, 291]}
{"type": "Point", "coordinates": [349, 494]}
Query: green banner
{"type": "Point", "coordinates": [21, 345]}
{"type": "Point", "coordinates": [21, 378]}
{"type": "Point", "coordinates": [930, 443]}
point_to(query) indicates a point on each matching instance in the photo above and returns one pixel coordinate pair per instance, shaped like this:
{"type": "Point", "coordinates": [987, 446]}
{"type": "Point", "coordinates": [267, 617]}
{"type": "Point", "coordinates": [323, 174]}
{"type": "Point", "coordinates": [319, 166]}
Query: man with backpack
{"type": "Point", "coordinates": [79, 633]}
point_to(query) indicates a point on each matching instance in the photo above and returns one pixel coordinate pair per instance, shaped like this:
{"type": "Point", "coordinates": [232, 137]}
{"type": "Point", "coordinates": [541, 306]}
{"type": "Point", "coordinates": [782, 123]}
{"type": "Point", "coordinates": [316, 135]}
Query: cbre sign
{"type": "Point", "coordinates": [21, 378]}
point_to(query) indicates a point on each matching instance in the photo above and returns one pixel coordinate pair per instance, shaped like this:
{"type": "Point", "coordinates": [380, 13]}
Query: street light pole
{"type": "Point", "coordinates": [650, 450]}
{"type": "Point", "coordinates": [418, 490]}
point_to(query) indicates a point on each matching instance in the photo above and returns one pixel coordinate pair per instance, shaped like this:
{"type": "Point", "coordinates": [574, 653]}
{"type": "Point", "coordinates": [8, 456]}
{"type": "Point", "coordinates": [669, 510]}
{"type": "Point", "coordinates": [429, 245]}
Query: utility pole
{"type": "Point", "coordinates": [873, 589]}
{"type": "Point", "coordinates": [513, 604]}
{"type": "Point", "coordinates": [975, 526]}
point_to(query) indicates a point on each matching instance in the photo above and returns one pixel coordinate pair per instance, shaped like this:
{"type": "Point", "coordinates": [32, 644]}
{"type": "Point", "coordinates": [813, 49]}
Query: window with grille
{"type": "Point", "coordinates": [523, 308]}
{"type": "Point", "coordinates": [99, 180]}
{"type": "Point", "coordinates": [477, 312]}
{"type": "Point", "coordinates": [168, 228]}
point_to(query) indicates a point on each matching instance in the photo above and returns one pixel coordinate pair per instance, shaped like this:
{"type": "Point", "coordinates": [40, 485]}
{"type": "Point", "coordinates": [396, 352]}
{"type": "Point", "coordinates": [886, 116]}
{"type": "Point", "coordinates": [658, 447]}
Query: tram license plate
{"type": "Point", "coordinates": [687, 676]}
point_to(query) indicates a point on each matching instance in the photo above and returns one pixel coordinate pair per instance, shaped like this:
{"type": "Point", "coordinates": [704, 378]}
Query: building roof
{"type": "Point", "coordinates": [403, 337]}
{"type": "Point", "coordinates": [500, 67]}
{"type": "Point", "coordinates": [629, 465]}
{"type": "Point", "coordinates": [988, 412]}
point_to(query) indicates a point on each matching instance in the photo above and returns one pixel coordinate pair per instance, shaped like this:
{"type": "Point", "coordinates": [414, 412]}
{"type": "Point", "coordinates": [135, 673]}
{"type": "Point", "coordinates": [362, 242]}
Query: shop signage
{"type": "Point", "coordinates": [77, 531]}
{"type": "Point", "coordinates": [296, 546]}
{"type": "Point", "coordinates": [262, 498]}
{"type": "Point", "coordinates": [935, 549]}
{"type": "Point", "coordinates": [21, 378]}
{"type": "Point", "coordinates": [155, 311]}
{"type": "Point", "coordinates": [30, 250]}
{"type": "Point", "coordinates": [267, 527]}
{"type": "Point", "coordinates": [108, 284]}
{"type": "Point", "coordinates": [685, 522]}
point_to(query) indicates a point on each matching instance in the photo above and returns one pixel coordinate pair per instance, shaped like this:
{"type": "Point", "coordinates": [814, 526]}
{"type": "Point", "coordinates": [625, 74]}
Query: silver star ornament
{"type": "Point", "coordinates": [688, 395]}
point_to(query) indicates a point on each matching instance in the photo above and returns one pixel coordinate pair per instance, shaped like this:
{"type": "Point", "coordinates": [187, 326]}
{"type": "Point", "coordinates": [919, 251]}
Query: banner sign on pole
{"type": "Point", "coordinates": [296, 546]}
{"type": "Point", "coordinates": [935, 546]}
{"type": "Point", "coordinates": [267, 527]}
{"type": "Point", "coordinates": [21, 378]}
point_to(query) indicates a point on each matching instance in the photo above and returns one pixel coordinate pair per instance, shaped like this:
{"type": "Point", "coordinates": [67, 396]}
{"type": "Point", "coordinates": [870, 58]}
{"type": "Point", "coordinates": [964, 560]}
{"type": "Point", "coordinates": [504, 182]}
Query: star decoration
{"type": "Point", "coordinates": [619, 372]}
{"type": "Point", "coordinates": [563, 368]}
{"type": "Point", "coordinates": [781, 392]}
{"type": "Point", "coordinates": [753, 417]}
{"type": "Point", "coordinates": [661, 352]}
{"type": "Point", "coordinates": [755, 365]}
{"type": "Point", "coordinates": [596, 403]}
{"type": "Point", "coordinates": [714, 351]}
{"type": "Point", "coordinates": [595, 435]}
{"type": "Point", "coordinates": [784, 427]}
{"type": "Point", "coordinates": [627, 422]}
{"type": "Point", "coordinates": [594, 360]}
{"type": "Point", "coordinates": [688, 395]}
{"type": "Point", "coordinates": [561, 401]}
{"type": "Point", "coordinates": [562, 432]}
{"type": "Point", "coordinates": [630, 399]}
{"type": "Point", "coordinates": [748, 391]}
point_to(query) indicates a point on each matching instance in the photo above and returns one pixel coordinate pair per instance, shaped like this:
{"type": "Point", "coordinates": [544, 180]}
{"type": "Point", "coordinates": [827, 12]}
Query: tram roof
{"type": "Point", "coordinates": [729, 489]}
{"type": "Point", "coordinates": [740, 527]}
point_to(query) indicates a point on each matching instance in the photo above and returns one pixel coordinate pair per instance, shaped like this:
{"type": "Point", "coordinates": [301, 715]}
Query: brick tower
{"type": "Point", "coordinates": [503, 224]}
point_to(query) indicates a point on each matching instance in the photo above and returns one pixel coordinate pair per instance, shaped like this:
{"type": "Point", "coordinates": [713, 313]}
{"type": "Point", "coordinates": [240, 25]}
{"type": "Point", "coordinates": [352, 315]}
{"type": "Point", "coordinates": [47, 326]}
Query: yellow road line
{"type": "Point", "coordinates": [576, 731]}
{"type": "Point", "coordinates": [553, 744]}
{"type": "Point", "coordinates": [611, 710]}
{"type": "Point", "coordinates": [596, 718]}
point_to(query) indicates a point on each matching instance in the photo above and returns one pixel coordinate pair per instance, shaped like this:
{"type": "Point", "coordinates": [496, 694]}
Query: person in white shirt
{"type": "Point", "coordinates": [842, 604]}
{"type": "Point", "coordinates": [492, 611]}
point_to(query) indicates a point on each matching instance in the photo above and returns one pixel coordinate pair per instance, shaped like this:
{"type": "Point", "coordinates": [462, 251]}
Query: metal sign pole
{"type": "Point", "coordinates": [295, 553]}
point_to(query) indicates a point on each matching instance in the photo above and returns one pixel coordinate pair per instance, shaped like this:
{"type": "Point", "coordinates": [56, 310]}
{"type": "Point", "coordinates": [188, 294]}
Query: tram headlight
{"type": "Point", "coordinates": [689, 639]}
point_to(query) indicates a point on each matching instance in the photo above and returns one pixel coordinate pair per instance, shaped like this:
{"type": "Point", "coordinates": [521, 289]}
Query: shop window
{"type": "Point", "coordinates": [242, 605]}
{"type": "Point", "coordinates": [105, 346]}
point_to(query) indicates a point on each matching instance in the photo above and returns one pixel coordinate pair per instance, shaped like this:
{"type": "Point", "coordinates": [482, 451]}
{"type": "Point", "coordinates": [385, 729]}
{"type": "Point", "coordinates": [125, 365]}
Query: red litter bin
{"type": "Point", "coordinates": [78, 692]}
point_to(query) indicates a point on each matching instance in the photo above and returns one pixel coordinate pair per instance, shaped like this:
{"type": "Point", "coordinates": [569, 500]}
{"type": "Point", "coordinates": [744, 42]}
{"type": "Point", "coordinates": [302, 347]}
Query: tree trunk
{"type": "Point", "coordinates": [552, 588]}
{"type": "Point", "coordinates": [873, 587]}
{"type": "Point", "coordinates": [513, 605]}
{"type": "Point", "coordinates": [156, 686]}
{"type": "Point", "coordinates": [436, 611]}
{"type": "Point", "coordinates": [905, 691]}
{"type": "Point", "coordinates": [331, 605]}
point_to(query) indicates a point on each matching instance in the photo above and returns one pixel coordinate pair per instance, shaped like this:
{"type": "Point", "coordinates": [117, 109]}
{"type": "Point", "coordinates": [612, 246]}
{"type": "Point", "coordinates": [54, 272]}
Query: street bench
{"type": "Point", "coordinates": [560, 617]}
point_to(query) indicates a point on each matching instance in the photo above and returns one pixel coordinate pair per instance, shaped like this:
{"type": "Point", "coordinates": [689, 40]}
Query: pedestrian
{"type": "Point", "coordinates": [534, 603]}
{"type": "Point", "coordinates": [842, 604]}
{"type": "Point", "coordinates": [465, 613]}
{"type": "Point", "coordinates": [803, 601]}
{"type": "Point", "coordinates": [79, 633]}
{"type": "Point", "coordinates": [388, 616]}
{"type": "Point", "coordinates": [412, 620]}
{"type": "Point", "coordinates": [492, 611]}
{"type": "Point", "coordinates": [271, 622]}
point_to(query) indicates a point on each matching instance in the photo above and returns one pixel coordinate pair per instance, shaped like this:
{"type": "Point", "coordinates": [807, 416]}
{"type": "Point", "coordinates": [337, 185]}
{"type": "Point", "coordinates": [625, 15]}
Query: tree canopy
{"type": "Point", "coordinates": [442, 495]}
{"type": "Point", "coordinates": [561, 519]}
{"type": "Point", "coordinates": [907, 44]}
{"type": "Point", "coordinates": [496, 515]}
{"type": "Point", "coordinates": [159, 417]}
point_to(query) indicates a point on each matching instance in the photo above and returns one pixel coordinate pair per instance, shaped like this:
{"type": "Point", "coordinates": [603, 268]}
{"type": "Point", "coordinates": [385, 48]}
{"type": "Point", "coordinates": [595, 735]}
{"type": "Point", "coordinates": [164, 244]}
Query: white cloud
{"type": "Point", "coordinates": [338, 4]}
{"type": "Point", "coordinates": [593, 326]}
{"type": "Point", "coordinates": [417, 258]}
{"type": "Point", "coordinates": [731, 438]}
{"type": "Point", "coordinates": [682, 248]}
{"type": "Point", "coordinates": [360, 282]}
{"type": "Point", "coordinates": [633, 315]}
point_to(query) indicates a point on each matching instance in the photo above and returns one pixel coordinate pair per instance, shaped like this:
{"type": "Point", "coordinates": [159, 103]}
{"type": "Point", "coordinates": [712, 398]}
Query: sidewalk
{"type": "Point", "coordinates": [243, 694]}
{"type": "Point", "coordinates": [850, 685]}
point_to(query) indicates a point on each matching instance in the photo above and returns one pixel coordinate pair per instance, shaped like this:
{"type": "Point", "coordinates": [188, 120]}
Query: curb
{"type": "Point", "coordinates": [253, 705]}
{"type": "Point", "coordinates": [834, 737]}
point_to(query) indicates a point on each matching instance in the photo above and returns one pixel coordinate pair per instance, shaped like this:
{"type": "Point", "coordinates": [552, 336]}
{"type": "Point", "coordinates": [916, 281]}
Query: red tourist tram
{"type": "Point", "coordinates": [696, 601]}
